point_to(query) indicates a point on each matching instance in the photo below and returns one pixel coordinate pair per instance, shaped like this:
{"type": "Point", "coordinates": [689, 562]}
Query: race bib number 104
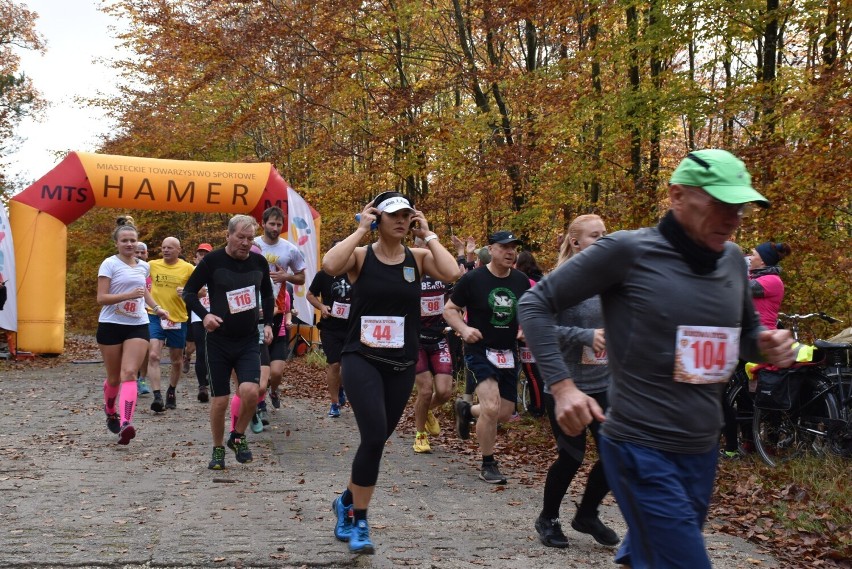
{"type": "Point", "coordinates": [705, 354]}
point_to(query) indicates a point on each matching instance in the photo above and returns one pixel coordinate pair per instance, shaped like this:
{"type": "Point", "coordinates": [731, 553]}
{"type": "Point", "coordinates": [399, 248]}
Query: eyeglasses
{"type": "Point", "coordinates": [741, 209]}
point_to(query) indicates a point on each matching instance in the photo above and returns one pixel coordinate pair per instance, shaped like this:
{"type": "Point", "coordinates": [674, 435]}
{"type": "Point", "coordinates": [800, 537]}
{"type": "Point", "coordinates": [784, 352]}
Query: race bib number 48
{"type": "Point", "coordinates": [383, 331]}
{"type": "Point", "coordinates": [705, 354]}
{"type": "Point", "coordinates": [130, 308]}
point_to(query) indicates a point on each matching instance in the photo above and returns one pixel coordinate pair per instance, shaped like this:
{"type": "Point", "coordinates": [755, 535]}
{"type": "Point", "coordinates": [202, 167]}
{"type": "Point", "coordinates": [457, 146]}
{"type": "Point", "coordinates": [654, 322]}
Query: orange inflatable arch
{"type": "Point", "coordinates": [39, 217]}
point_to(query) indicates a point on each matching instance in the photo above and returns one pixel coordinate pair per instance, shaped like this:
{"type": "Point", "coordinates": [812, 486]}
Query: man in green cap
{"type": "Point", "coordinates": [678, 314]}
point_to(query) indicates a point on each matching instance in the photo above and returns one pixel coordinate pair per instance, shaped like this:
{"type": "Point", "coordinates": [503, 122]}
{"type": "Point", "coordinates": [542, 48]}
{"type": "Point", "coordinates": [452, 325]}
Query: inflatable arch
{"type": "Point", "coordinates": [38, 218]}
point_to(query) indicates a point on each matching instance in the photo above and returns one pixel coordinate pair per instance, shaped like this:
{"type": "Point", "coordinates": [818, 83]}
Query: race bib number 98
{"type": "Point", "coordinates": [705, 354]}
{"type": "Point", "coordinates": [383, 331]}
{"type": "Point", "coordinates": [431, 305]}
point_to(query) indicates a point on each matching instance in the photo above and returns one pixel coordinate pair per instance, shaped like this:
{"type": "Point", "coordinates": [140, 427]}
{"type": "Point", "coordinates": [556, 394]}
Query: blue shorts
{"type": "Point", "coordinates": [172, 338]}
{"type": "Point", "coordinates": [479, 369]}
{"type": "Point", "coordinates": [664, 497]}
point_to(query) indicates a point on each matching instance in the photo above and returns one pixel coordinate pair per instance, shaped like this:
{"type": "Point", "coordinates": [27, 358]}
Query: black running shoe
{"type": "Point", "coordinates": [127, 434]}
{"type": "Point", "coordinates": [596, 528]}
{"type": "Point", "coordinates": [218, 460]}
{"type": "Point", "coordinates": [240, 448]}
{"type": "Point", "coordinates": [157, 404]}
{"type": "Point", "coordinates": [203, 394]}
{"type": "Point", "coordinates": [491, 474]}
{"type": "Point", "coordinates": [463, 418]}
{"type": "Point", "coordinates": [113, 422]}
{"type": "Point", "coordinates": [275, 398]}
{"type": "Point", "coordinates": [550, 532]}
{"type": "Point", "coordinates": [171, 400]}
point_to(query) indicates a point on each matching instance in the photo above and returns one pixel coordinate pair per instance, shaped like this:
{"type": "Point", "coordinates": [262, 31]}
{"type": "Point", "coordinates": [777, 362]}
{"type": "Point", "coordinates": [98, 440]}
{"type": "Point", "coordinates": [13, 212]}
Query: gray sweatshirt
{"type": "Point", "coordinates": [648, 291]}
{"type": "Point", "coordinates": [576, 332]}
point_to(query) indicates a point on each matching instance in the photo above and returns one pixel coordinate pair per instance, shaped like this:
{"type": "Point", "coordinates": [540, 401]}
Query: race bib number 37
{"type": "Point", "coordinates": [383, 331]}
{"type": "Point", "coordinates": [705, 354]}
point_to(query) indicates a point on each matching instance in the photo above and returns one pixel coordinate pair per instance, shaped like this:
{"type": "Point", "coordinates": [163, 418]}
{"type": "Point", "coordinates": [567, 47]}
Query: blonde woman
{"type": "Point", "coordinates": [123, 328]}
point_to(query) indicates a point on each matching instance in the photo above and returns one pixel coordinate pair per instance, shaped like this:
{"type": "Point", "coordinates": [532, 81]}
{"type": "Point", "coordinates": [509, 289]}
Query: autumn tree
{"type": "Point", "coordinates": [18, 96]}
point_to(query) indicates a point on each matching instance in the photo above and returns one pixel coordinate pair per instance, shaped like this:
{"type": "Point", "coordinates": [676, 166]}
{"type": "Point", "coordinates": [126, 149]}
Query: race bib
{"type": "Point", "coordinates": [129, 308]}
{"type": "Point", "coordinates": [526, 355]}
{"type": "Point", "coordinates": [705, 354]}
{"type": "Point", "coordinates": [383, 331]}
{"type": "Point", "coordinates": [431, 305]}
{"type": "Point", "coordinates": [590, 358]}
{"type": "Point", "coordinates": [167, 324]}
{"type": "Point", "coordinates": [241, 299]}
{"type": "Point", "coordinates": [503, 359]}
{"type": "Point", "coordinates": [340, 310]}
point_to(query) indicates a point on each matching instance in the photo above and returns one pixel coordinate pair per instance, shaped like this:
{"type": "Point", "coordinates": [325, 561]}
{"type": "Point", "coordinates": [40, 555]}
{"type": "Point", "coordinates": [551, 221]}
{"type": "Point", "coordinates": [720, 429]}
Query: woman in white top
{"type": "Point", "coordinates": [123, 328]}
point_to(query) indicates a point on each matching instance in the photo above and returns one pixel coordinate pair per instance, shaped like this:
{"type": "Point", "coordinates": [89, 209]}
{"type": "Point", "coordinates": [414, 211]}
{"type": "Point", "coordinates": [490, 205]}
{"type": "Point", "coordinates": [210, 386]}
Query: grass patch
{"type": "Point", "coordinates": [315, 358]}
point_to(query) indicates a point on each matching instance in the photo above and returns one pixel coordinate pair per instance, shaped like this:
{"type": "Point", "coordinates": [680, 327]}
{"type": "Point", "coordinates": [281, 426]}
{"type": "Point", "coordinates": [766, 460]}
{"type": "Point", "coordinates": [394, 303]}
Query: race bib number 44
{"type": "Point", "coordinates": [705, 354]}
{"type": "Point", "coordinates": [383, 331]}
{"type": "Point", "coordinates": [241, 299]}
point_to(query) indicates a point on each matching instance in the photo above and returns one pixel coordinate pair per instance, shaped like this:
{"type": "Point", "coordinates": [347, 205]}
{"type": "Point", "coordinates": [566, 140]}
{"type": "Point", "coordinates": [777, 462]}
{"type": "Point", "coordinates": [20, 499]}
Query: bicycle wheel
{"type": "Point", "coordinates": [739, 401]}
{"type": "Point", "coordinates": [524, 394]}
{"type": "Point", "coordinates": [780, 436]}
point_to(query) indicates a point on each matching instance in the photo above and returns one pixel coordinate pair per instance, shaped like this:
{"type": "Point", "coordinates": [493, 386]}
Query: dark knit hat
{"type": "Point", "coordinates": [771, 253]}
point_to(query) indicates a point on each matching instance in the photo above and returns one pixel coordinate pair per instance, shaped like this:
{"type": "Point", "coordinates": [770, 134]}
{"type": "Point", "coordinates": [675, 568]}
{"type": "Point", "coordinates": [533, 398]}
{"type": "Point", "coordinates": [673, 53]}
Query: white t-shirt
{"type": "Point", "coordinates": [282, 255]}
{"type": "Point", "coordinates": [124, 278]}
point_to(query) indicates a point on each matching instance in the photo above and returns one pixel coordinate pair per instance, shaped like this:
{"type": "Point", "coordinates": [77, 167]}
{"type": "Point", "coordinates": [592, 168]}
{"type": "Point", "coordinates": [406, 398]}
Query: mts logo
{"type": "Point", "coordinates": [64, 193]}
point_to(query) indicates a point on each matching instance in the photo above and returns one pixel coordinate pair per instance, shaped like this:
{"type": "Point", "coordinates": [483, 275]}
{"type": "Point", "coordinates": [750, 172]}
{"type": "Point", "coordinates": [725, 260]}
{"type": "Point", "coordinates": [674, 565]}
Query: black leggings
{"type": "Point", "coordinates": [199, 334]}
{"type": "Point", "coordinates": [562, 471]}
{"type": "Point", "coordinates": [378, 396]}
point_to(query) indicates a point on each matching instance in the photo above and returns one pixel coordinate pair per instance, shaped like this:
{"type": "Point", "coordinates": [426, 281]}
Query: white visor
{"type": "Point", "coordinates": [393, 204]}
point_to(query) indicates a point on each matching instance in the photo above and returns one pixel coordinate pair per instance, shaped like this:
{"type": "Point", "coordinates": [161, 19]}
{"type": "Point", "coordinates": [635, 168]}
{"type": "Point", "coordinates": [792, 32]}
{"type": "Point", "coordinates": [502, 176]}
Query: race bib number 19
{"type": "Point", "coordinates": [705, 354]}
{"type": "Point", "coordinates": [383, 331]}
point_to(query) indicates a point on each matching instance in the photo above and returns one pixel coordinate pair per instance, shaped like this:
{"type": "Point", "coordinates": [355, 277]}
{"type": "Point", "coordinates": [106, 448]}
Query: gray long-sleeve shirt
{"type": "Point", "coordinates": [647, 291]}
{"type": "Point", "coordinates": [576, 331]}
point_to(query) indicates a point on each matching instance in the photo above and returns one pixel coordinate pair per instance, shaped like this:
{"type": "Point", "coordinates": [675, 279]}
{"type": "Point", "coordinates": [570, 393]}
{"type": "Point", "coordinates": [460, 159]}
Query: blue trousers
{"type": "Point", "coordinates": [664, 497]}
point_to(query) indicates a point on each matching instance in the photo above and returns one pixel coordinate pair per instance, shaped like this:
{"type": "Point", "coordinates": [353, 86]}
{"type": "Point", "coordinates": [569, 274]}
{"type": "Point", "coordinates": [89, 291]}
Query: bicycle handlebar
{"type": "Point", "coordinates": [820, 315]}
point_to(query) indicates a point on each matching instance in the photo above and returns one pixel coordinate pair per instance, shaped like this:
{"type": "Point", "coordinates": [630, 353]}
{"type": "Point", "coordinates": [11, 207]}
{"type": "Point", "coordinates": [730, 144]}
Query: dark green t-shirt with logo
{"type": "Point", "coordinates": [492, 306]}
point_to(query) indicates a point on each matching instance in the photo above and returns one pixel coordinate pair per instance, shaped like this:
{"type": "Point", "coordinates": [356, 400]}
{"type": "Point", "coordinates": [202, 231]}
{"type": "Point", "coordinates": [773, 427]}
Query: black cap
{"type": "Point", "coordinates": [503, 237]}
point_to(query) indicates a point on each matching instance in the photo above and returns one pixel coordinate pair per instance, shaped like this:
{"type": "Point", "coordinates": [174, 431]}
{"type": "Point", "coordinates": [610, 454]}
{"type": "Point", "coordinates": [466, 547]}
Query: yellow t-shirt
{"type": "Point", "coordinates": [165, 279]}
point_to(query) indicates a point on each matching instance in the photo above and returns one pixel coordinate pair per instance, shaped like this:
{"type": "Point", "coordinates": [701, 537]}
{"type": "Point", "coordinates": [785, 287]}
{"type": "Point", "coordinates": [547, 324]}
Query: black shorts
{"type": "Point", "coordinates": [226, 354]}
{"type": "Point", "coordinates": [111, 334]}
{"type": "Point", "coordinates": [264, 354]}
{"type": "Point", "coordinates": [479, 369]}
{"type": "Point", "coordinates": [332, 344]}
{"type": "Point", "coordinates": [279, 349]}
{"type": "Point", "coordinates": [190, 335]}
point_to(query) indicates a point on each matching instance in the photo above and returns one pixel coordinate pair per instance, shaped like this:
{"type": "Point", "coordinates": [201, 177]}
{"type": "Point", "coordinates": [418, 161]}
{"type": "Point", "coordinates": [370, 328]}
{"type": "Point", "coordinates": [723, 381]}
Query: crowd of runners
{"type": "Point", "coordinates": [633, 334]}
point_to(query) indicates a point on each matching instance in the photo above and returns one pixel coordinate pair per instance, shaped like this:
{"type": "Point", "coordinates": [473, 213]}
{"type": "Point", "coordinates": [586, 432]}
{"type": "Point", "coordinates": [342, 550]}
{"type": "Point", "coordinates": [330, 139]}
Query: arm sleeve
{"type": "Point", "coordinates": [757, 290]}
{"type": "Point", "coordinates": [316, 285]}
{"type": "Point", "coordinates": [571, 335]}
{"type": "Point", "coordinates": [196, 281]}
{"type": "Point", "coordinates": [267, 298]}
{"type": "Point", "coordinates": [751, 328]}
{"type": "Point", "coordinates": [601, 266]}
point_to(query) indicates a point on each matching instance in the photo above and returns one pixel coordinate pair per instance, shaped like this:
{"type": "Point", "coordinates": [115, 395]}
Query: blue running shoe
{"type": "Point", "coordinates": [343, 527]}
{"type": "Point", "coordinates": [142, 386]}
{"type": "Point", "coordinates": [334, 411]}
{"type": "Point", "coordinates": [359, 541]}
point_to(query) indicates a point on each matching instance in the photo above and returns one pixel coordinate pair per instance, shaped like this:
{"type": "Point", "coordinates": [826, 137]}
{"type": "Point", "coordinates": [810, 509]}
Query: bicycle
{"type": "Point", "coordinates": [819, 419]}
{"type": "Point", "coordinates": [795, 319]}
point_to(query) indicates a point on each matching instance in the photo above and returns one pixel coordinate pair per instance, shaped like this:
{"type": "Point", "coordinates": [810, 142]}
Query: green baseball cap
{"type": "Point", "coordinates": [720, 174]}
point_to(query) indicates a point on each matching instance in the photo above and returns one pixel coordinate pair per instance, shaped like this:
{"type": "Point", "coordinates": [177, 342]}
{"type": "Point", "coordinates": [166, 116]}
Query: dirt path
{"type": "Point", "coordinates": [73, 498]}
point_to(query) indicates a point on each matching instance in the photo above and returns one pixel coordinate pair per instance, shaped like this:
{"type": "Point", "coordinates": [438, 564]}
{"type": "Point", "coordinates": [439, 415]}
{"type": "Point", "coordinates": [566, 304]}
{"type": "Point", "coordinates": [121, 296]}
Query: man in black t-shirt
{"type": "Point", "coordinates": [332, 296]}
{"type": "Point", "coordinates": [238, 285]}
{"type": "Point", "coordinates": [490, 297]}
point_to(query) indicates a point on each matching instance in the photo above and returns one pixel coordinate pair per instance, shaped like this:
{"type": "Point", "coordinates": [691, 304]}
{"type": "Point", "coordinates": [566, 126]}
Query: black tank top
{"type": "Point", "coordinates": [386, 290]}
